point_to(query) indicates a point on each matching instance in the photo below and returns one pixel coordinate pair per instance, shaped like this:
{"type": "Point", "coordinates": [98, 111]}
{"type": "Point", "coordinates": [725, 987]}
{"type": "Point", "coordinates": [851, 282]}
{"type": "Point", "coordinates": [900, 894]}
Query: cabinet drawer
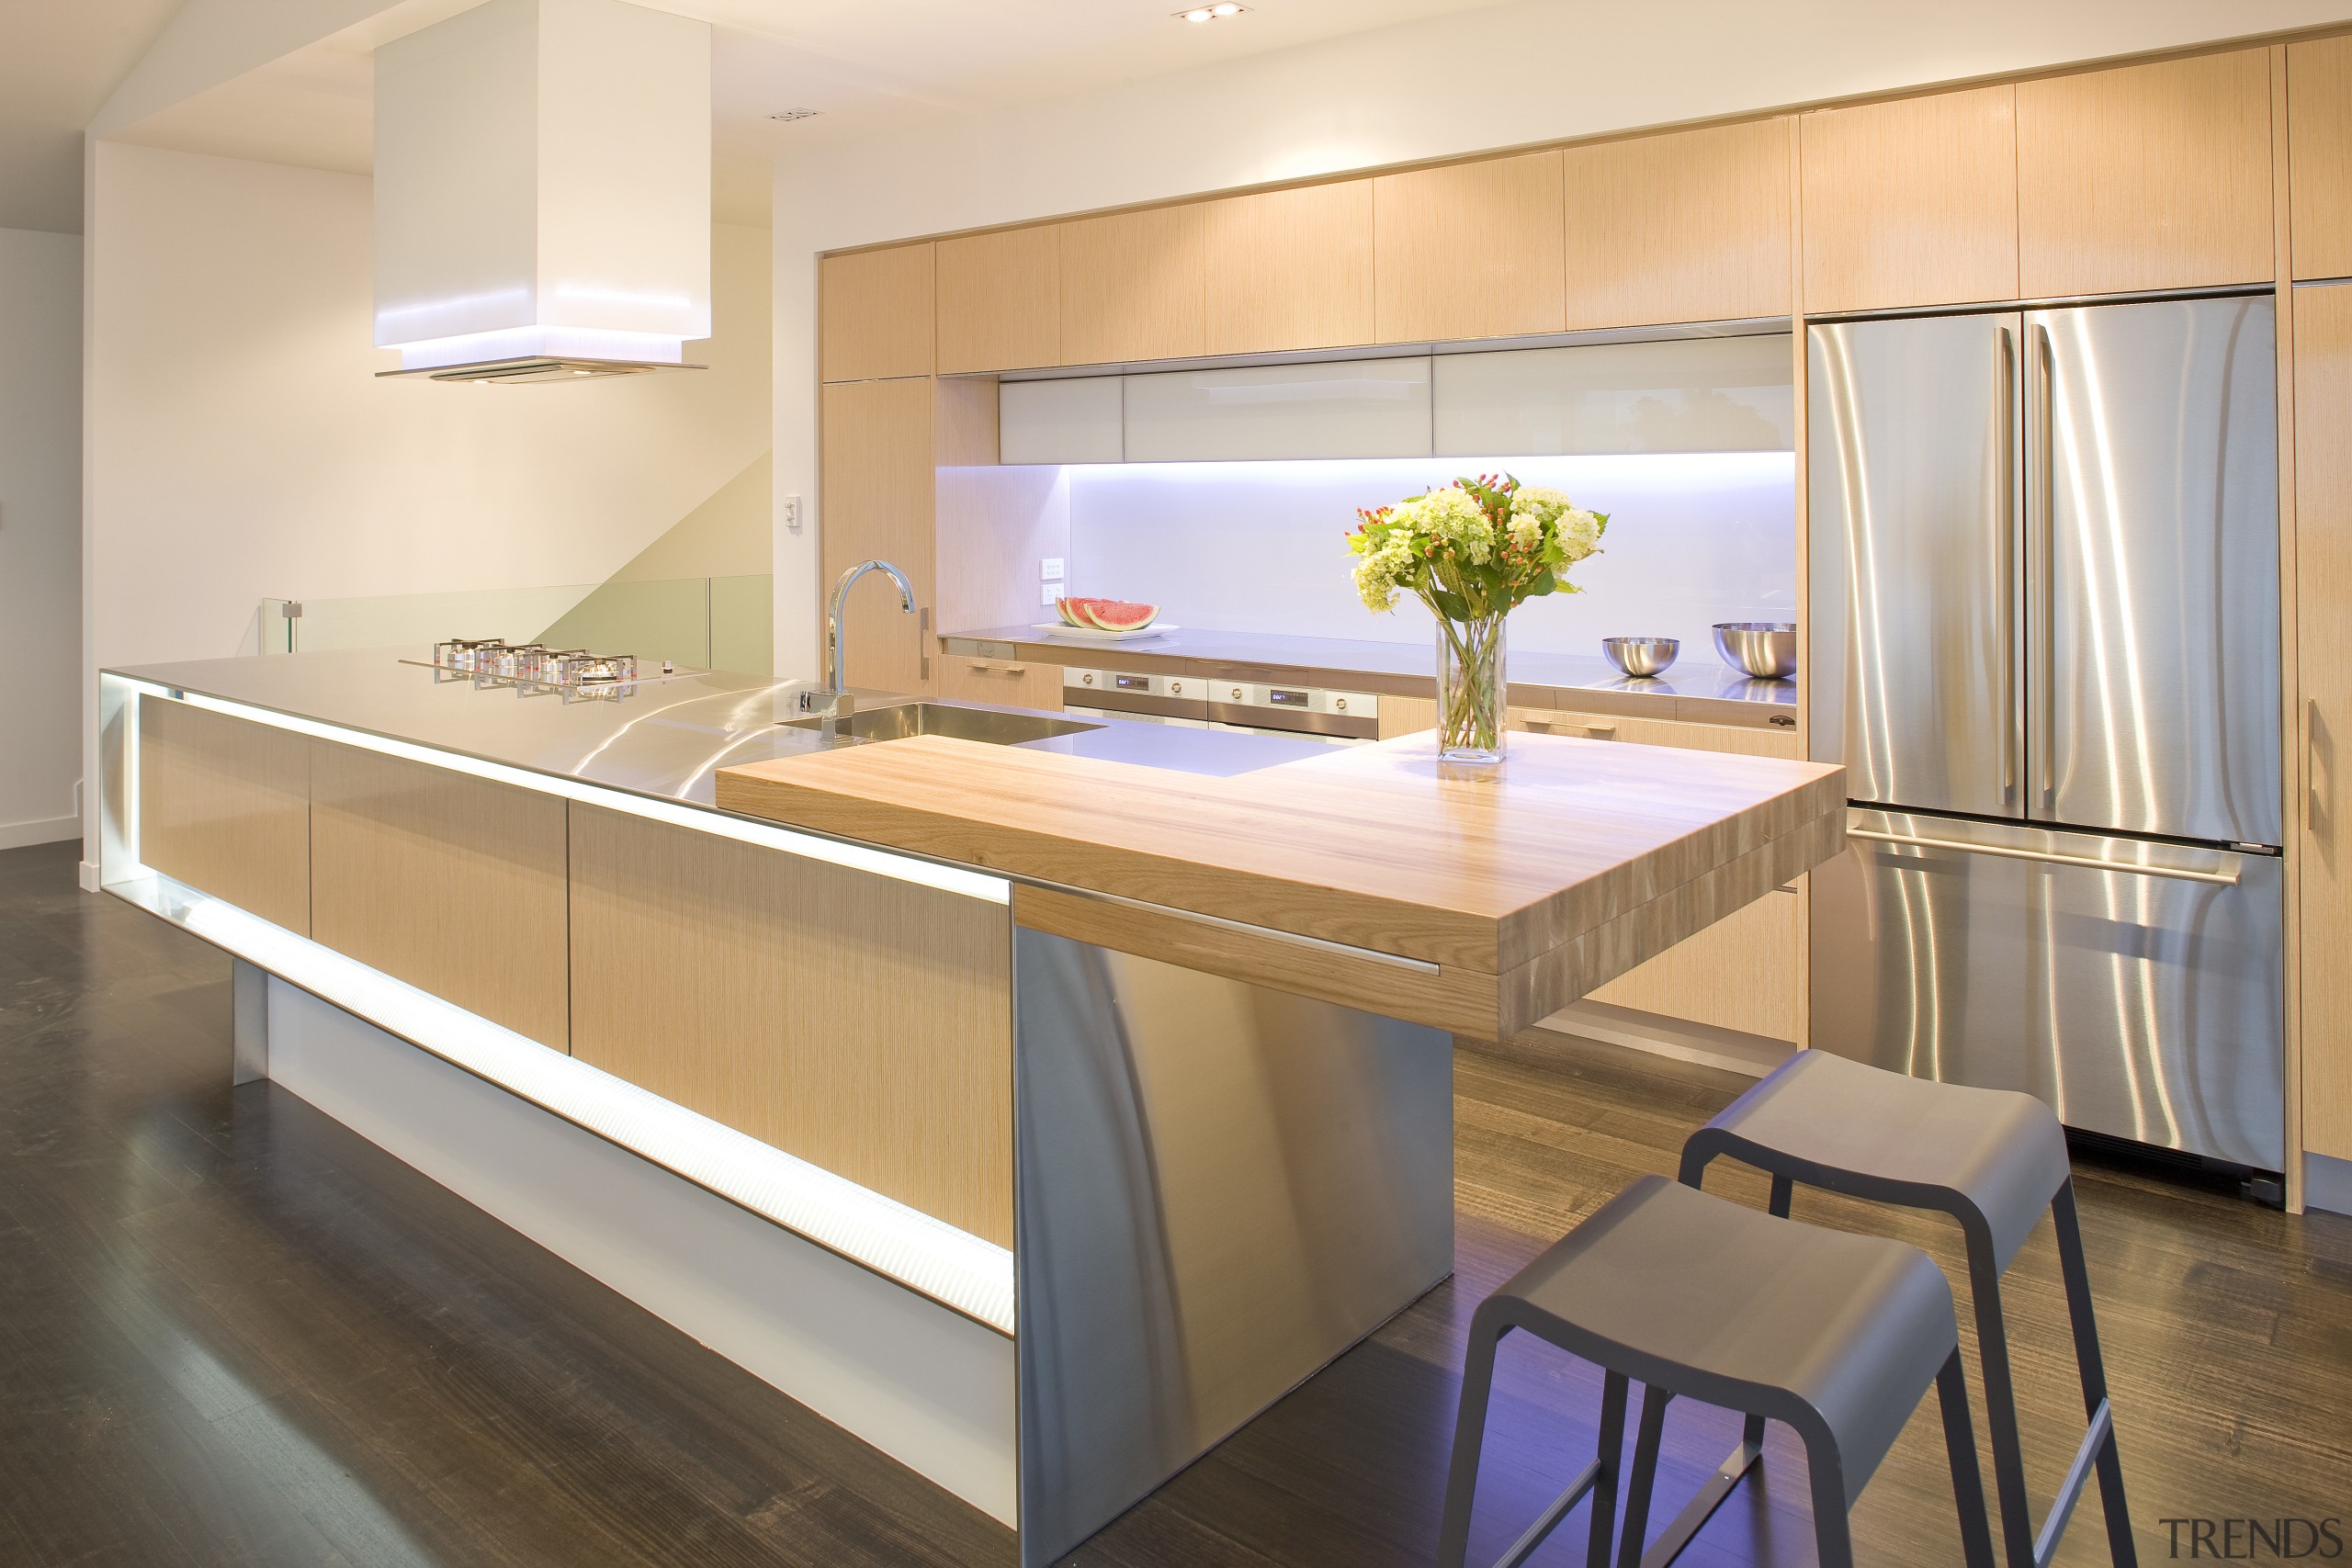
{"type": "Point", "coordinates": [1008, 682]}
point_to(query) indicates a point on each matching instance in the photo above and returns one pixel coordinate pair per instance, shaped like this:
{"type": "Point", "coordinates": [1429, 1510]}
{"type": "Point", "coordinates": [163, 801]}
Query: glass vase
{"type": "Point", "coordinates": [1471, 690]}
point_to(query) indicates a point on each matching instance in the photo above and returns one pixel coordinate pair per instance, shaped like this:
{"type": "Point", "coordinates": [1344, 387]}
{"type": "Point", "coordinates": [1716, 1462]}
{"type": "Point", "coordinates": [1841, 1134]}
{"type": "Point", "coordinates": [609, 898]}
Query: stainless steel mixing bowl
{"type": "Point", "coordinates": [1641, 655]}
{"type": "Point", "coordinates": [1766, 649]}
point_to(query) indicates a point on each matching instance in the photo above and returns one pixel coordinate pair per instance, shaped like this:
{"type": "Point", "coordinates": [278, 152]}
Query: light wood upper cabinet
{"type": "Point", "coordinates": [878, 503]}
{"type": "Point", "coordinates": [2324, 625]}
{"type": "Point", "coordinates": [1135, 285]}
{"type": "Point", "coordinates": [2319, 156]}
{"type": "Point", "coordinates": [875, 314]}
{"type": "Point", "coordinates": [1913, 202]}
{"type": "Point", "coordinates": [2146, 176]}
{"type": "Point", "coordinates": [1290, 268]}
{"type": "Point", "coordinates": [1470, 250]}
{"type": "Point", "coordinates": [999, 301]}
{"type": "Point", "coordinates": [1689, 226]}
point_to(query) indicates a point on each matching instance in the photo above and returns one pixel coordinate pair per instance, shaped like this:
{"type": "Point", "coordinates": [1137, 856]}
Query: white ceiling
{"type": "Point", "coordinates": [864, 64]}
{"type": "Point", "coordinates": [59, 61]}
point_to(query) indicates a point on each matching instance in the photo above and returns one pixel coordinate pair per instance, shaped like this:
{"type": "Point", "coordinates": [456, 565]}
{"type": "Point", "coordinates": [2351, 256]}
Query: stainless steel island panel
{"type": "Point", "coordinates": [1220, 1188]}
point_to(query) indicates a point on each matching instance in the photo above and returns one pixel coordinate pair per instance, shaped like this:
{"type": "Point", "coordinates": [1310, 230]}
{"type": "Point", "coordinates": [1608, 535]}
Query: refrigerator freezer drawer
{"type": "Point", "coordinates": [2140, 995]}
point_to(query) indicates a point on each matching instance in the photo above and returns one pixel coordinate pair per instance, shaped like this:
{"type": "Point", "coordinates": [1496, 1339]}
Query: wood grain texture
{"type": "Point", "coordinates": [861, 1024]}
{"type": "Point", "coordinates": [1135, 285]}
{"type": "Point", "coordinates": [2323, 347]}
{"type": "Point", "coordinates": [2146, 176]}
{"type": "Point", "coordinates": [1686, 226]}
{"type": "Point", "coordinates": [224, 806]}
{"type": "Point", "coordinates": [451, 883]}
{"type": "Point", "coordinates": [2319, 151]}
{"type": "Point", "coordinates": [1000, 300]}
{"type": "Point", "coordinates": [1744, 972]}
{"type": "Point", "coordinates": [1911, 202]}
{"type": "Point", "coordinates": [879, 501]}
{"type": "Point", "coordinates": [875, 313]}
{"type": "Point", "coordinates": [1290, 268]}
{"type": "Point", "coordinates": [1506, 873]}
{"type": "Point", "coordinates": [1470, 250]}
{"type": "Point", "coordinates": [1406, 716]}
{"type": "Point", "coordinates": [1007, 683]}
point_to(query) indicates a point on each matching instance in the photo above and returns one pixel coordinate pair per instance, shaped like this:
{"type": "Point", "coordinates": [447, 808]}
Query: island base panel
{"type": "Point", "coordinates": [1221, 1188]}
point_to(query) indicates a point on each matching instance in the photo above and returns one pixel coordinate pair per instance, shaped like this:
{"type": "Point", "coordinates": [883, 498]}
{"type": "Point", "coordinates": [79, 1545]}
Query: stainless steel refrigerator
{"type": "Point", "coordinates": [2044, 556]}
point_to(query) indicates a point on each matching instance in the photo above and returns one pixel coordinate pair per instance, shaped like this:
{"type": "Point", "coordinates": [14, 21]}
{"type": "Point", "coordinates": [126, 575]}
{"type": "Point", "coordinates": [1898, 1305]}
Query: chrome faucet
{"type": "Point", "coordinates": [833, 683]}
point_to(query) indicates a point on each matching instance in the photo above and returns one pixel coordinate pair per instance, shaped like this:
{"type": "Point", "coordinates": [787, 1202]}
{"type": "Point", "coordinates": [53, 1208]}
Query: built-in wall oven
{"type": "Point", "coordinates": [1308, 713]}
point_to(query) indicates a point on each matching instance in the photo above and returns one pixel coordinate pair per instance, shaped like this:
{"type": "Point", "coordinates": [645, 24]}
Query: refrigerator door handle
{"type": "Point", "coordinates": [2042, 550]}
{"type": "Point", "coordinates": [2005, 377]}
{"type": "Point", "coordinates": [2223, 878]}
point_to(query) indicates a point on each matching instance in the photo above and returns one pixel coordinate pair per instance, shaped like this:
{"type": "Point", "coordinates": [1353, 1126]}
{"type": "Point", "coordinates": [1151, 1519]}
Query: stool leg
{"type": "Point", "coordinates": [2000, 1402]}
{"type": "Point", "coordinates": [2119, 1545]}
{"type": "Point", "coordinates": [1469, 1438]}
{"type": "Point", "coordinates": [1832, 1536]}
{"type": "Point", "coordinates": [1967, 1482]}
{"type": "Point", "coordinates": [1645, 1477]}
{"type": "Point", "coordinates": [1612, 1465]}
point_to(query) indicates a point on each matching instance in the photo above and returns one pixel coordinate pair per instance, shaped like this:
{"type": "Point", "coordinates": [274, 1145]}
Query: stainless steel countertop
{"type": "Point", "coordinates": [666, 739]}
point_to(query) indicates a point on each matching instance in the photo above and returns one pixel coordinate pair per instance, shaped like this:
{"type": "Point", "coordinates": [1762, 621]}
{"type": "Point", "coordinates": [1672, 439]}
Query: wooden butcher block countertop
{"type": "Point", "coordinates": [1488, 898]}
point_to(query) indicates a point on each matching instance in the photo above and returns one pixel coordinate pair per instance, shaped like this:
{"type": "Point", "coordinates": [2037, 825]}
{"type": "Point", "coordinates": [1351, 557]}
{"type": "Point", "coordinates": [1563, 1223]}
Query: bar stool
{"type": "Point", "coordinates": [1992, 1159]}
{"type": "Point", "coordinates": [1838, 1336]}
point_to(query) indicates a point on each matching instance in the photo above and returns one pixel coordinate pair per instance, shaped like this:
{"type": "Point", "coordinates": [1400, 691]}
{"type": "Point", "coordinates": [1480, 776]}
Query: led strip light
{"type": "Point", "coordinates": [971, 1275]}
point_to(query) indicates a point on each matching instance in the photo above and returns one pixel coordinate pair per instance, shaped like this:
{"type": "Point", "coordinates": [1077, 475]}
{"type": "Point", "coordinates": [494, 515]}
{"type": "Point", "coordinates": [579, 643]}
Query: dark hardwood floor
{"type": "Point", "coordinates": [232, 1332]}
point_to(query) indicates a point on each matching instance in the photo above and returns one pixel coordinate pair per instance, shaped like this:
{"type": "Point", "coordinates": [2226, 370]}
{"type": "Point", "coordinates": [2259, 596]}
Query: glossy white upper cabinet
{"type": "Point", "coordinates": [1356, 408]}
{"type": "Point", "coordinates": [1717, 394]}
{"type": "Point", "coordinates": [1074, 418]}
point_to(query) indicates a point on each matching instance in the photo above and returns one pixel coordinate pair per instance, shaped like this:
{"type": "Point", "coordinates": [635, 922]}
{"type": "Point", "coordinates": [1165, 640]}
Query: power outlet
{"type": "Point", "coordinates": [792, 514]}
{"type": "Point", "coordinates": [1049, 592]}
{"type": "Point", "coordinates": [1050, 569]}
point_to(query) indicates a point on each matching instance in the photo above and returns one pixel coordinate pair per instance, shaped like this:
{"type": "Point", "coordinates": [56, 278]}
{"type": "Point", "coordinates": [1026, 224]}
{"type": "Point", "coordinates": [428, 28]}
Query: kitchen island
{"type": "Point", "coordinates": [1039, 1100]}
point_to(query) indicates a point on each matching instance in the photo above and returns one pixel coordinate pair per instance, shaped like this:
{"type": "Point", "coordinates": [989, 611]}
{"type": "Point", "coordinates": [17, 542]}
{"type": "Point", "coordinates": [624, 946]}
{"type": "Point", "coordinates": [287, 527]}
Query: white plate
{"type": "Point", "coordinates": [1097, 634]}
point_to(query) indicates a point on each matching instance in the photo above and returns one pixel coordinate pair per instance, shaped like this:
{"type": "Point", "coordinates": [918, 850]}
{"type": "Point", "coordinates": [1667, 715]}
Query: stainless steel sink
{"type": "Point", "coordinates": [997, 727]}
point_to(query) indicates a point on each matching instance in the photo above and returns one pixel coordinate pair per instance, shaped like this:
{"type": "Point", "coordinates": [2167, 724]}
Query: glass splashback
{"type": "Point", "coordinates": [703, 623]}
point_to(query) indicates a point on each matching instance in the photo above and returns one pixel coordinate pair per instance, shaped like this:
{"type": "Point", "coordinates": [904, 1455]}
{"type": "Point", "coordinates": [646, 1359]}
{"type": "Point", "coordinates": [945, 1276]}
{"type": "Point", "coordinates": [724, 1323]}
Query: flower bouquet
{"type": "Point", "coordinates": [1473, 552]}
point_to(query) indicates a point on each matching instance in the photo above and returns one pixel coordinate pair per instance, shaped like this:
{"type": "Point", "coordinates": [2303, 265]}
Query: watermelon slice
{"type": "Point", "coordinates": [1116, 614]}
{"type": "Point", "coordinates": [1073, 611]}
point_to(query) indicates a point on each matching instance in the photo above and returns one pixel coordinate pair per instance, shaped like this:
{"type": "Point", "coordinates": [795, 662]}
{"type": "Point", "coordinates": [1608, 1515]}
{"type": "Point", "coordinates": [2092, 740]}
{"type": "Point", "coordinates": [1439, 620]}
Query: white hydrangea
{"type": "Point", "coordinates": [1579, 533]}
{"type": "Point", "coordinates": [1381, 571]}
{"type": "Point", "coordinates": [1450, 517]}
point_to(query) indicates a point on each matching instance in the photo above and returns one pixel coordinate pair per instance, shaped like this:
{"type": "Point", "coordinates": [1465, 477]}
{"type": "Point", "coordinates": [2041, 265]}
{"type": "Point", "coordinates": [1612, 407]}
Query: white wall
{"type": "Point", "coordinates": [40, 535]}
{"type": "Point", "coordinates": [1542, 69]}
{"type": "Point", "coordinates": [240, 446]}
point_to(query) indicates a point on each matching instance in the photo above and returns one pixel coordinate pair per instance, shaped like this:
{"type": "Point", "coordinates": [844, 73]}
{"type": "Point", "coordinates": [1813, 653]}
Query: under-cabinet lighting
{"type": "Point", "coordinates": [966, 1272]}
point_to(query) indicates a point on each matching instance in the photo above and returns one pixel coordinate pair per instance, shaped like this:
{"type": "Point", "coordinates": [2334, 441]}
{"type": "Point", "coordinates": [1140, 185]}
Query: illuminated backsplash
{"type": "Point", "coordinates": [1693, 538]}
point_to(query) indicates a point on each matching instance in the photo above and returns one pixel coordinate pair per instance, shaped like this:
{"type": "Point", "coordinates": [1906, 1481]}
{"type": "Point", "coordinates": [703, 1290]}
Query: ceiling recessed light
{"type": "Point", "coordinates": [1223, 9]}
{"type": "Point", "coordinates": [789, 115]}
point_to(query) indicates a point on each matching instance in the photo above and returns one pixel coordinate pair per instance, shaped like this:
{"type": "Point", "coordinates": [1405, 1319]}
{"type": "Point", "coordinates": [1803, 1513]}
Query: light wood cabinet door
{"type": "Point", "coordinates": [2319, 156]}
{"type": "Point", "coordinates": [860, 1023]}
{"type": "Point", "coordinates": [451, 883]}
{"type": "Point", "coordinates": [875, 309]}
{"type": "Point", "coordinates": [224, 806]}
{"type": "Point", "coordinates": [1290, 268]}
{"type": "Point", "coordinates": [2323, 630]}
{"type": "Point", "coordinates": [1008, 682]}
{"type": "Point", "coordinates": [878, 502]}
{"type": "Point", "coordinates": [1470, 250]}
{"type": "Point", "coordinates": [1134, 286]}
{"type": "Point", "coordinates": [999, 301]}
{"type": "Point", "coordinates": [2146, 176]}
{"type": "Point", "coordinates": [1913, 202]}
{"type": "Point", "coordinates": [1687, 226]}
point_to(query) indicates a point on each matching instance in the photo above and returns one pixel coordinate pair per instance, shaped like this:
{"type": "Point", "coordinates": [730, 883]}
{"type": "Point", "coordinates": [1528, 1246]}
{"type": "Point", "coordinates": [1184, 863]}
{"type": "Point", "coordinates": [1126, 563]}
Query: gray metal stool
{"type": "Point", "coordinates": [1993, 1160]}
{"type": "Point", "coordinates": [1838, 1336]}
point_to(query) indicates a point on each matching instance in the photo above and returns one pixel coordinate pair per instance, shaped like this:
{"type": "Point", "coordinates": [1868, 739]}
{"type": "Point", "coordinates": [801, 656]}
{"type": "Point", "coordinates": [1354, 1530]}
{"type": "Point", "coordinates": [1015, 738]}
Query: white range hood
{"type": "Point", "coordinates": [543, 192]}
